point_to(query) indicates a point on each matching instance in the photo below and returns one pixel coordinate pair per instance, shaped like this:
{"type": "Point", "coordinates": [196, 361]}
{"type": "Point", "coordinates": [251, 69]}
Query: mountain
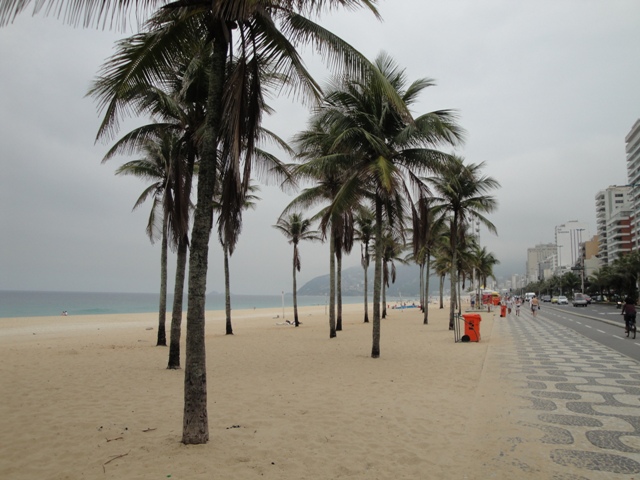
{"type": "Point", "coordinates": [407, 283]}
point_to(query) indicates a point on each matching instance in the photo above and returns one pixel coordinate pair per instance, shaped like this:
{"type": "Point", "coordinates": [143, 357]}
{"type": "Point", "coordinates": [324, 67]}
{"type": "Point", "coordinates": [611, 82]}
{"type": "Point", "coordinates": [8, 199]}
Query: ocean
{"type": "Point", "coordinates": [44, 304]}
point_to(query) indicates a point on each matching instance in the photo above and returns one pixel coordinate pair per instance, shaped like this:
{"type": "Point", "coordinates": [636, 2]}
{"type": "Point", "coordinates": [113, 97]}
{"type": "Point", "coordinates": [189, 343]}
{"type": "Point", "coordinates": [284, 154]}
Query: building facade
{"type": "Point", "coordinates": [539, 259]}
{"type": "Point", "coordinates": [613, 214]}
{"type": "Point", "coordinates": [632, 149]}
{"type": "Point", "coordinates": [591, 262]}
{"type": "Point", "coordinates": [568, 237]}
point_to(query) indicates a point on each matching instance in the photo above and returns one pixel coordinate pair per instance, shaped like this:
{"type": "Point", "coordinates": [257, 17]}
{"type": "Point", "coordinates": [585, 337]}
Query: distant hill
{"type": "Point", "coordinates": [407, 283]}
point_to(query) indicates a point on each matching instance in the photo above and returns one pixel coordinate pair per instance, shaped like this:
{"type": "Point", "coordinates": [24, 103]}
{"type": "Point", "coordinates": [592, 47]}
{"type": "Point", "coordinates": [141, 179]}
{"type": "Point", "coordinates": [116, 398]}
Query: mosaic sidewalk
{"type": "Point", "coordinates": [583, 399]}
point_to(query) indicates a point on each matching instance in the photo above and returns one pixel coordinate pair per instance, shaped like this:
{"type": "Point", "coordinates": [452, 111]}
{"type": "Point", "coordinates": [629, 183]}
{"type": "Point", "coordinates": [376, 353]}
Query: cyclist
{"type": "Point", "coordinates": [629, 312]}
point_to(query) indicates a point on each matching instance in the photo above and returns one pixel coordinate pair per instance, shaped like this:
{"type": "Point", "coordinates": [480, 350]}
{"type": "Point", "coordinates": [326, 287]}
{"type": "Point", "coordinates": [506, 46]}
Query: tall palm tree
{"type": "Point", "coordinates": [442, 262]}
{"type": "Point", "coordinates": [364, 233]}
{"type": "Point", "coordinates": [388, 148]}
{"type": "Point", "coordinates": [462, 193]}
{"type": "Point", "coordinates": [296, 229]}
{"type": "Point", "coordinates": [175, 96]}
{"type": "Point", "coordinates": [258, 35]}
{"type": "Point", "coordinates": [158, 165]}
{"type": "Point", "coordinates": [485, 261]}
{"type": "Point", "coordinates": [344, 237]}
{"type": "Point", "coordinates": [392, 252]}
{"type": "Point", "coordinates": [427, 229]}
{"type": "Point", "coordinates": [327, 171]}
{"type": "Point", "coordinates": [228, 234]}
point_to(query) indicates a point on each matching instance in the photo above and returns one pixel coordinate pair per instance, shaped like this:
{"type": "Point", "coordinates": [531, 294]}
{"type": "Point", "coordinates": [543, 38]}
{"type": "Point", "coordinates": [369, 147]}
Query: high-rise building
{"type": "Point", "coordinates": [538, 259]}
{"type": "Point", "coordinates": [590, 249]}
{"type": "Point", "coordinates": [613, 214]}
{"type": "Point", "coordinates": [632, 141]}
{"type": "Point", "coordinates": [569, 236]}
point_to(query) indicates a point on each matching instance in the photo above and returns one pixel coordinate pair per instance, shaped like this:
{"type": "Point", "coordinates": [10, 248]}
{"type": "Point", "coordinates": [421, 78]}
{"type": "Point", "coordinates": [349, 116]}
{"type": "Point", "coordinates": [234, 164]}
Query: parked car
{"type": "Point", "coordinates": [546, 298]}
{"type": "Point", "coordinates": [587, 298]}
{"type": "Point", "coordinates": [562, 300]}
{"type": "Point", "coordinates": [579, 300]}
{"type": "Point", "coordinates": [554, 300]}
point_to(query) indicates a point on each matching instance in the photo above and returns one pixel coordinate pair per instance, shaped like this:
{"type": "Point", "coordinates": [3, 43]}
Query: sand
{"type": "Point", "coordinates": [90, 397]}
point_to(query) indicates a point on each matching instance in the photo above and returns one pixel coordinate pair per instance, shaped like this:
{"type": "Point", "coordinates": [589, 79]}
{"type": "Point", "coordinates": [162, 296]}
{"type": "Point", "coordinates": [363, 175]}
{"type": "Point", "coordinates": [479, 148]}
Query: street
{"type": "Point", "coordinates": [602, 323]}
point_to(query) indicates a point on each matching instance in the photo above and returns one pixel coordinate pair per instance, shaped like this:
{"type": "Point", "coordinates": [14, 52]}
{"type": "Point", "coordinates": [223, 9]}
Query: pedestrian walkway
{"type": "Point", "coordinates": [581, 401]}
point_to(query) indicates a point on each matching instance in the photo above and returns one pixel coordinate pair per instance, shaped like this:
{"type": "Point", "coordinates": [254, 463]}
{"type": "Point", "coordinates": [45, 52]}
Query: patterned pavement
{"type": "Point", "coordinates": [584, 398]}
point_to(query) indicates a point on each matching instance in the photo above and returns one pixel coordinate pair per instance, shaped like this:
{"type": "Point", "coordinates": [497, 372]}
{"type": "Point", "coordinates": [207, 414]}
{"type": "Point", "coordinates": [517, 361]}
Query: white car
{"type": "Point", "coordinates": [579, 300]}
{"type": "Point", "coordinates": [562, 300]}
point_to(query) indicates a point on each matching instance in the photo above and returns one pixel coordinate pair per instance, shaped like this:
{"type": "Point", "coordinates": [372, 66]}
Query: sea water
{"type": "Point", "coordinates": [43, 304]}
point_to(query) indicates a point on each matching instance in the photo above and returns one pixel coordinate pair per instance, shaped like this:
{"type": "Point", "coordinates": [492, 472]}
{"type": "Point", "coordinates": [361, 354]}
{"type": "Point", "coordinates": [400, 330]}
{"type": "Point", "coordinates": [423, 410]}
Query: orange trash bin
{"type": "Point", "coordinates": [472, 326]}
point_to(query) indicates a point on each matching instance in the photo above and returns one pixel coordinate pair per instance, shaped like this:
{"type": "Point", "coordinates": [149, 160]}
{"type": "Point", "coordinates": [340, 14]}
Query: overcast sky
{"type": "Point", "coordinates": [547, 91]}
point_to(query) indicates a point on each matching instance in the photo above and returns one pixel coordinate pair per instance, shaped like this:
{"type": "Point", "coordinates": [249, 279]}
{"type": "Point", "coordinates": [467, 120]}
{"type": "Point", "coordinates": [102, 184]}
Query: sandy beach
{"type": "Point", "coordinates": [90, 397]}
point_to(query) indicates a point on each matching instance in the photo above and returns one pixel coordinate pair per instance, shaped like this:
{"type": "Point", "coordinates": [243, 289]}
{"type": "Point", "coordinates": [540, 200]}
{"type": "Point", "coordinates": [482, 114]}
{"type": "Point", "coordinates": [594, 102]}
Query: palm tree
{"type": "Point", "coordinates": [258, 35]}
{"type": "Point", "coordinates": [392, 251]}
{"type": "Point", "coordinates": [327, 171]}
{"type": "Point", "coordinates": [296, 229]}
{"type": "Point", "coordinates": [484, 263]}
{"type": "Point", "coordinates": [388, 150]}
{"type": "Point", "coordinates": [228, 234]}
{"type": "Point", "coordinates": [364, 233]}
{"type": "Point", "coordinates": [461, 191]}
{"type": "Point", "coordinates": [343, 242]}
{"type": "Point", "coordinates": [175, 97]}
{"type": "Point", "coordinates": [158, 165]}
{"type": "Point", "coordinates": [428, 227]}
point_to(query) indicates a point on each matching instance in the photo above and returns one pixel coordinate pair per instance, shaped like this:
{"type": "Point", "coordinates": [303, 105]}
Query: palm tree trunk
{"type": "Point", "coordinates": [339, 290]}
{"type": "Point", "coordinates": [377, 283]}
{"type": "Point", "coordinates": [426, 291]}
{"type": "Point", "coordinates": [421, 283]}
{"type": "Point", "coordinates": [227, 291]}
{"type": "Point", "coordinates": [162, 309]}
{"type": "Point", "coordinates": [181, 268]}
{"type": "Point", "coordinates": [384, 300]}
{"type": "Point", "coordinates": [365, 265]}
{"type": "Point", "coordinates": [441, 292]}
{"type": "Point", "coordinates": [195, 424]}
{"type": "Point", "coordinates": [332, 285]}
{"type": "Point", "coordinates": [176, 314]}
{"type": "Point", "coordinates": [295, 288]}
{"type": "Point", "coordinates": [459, 297]}
{"type": "Point", "coordinates": [453, 270]}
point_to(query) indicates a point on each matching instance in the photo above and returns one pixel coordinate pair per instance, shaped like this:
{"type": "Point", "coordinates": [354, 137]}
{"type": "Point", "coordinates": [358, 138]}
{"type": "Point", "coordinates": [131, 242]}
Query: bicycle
{"type": "Point", "coordinates": [630, 325]}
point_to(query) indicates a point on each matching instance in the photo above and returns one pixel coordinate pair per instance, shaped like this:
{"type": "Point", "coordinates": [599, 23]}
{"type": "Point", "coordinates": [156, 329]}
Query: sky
{"type": "Point", "coordinates": [546, 90]}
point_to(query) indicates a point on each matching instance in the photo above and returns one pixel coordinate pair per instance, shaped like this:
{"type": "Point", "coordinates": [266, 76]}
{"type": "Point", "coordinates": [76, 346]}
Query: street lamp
{"type": "Point", "coordinates": [580, 230]}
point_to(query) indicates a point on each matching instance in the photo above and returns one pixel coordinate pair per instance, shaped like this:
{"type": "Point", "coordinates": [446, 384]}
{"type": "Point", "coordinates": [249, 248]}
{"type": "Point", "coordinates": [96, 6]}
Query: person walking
{"type": "Point", "coordinates": [535, 305]}
{"type": "Point", "coordinates": [518, 303]}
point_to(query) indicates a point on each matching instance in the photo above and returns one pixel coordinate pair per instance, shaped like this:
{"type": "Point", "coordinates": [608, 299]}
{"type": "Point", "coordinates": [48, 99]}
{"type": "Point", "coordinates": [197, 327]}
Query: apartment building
{"type": "Point", "coordinates": [632, 148]}
{"type": "Point", "coordinates": [613, 222]}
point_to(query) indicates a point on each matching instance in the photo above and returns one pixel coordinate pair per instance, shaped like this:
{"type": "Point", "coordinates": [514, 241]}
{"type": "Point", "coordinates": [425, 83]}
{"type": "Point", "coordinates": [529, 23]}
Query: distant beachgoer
{"type": "Point", "coordinates": [64, 313]}
{"type": "Point", "coordinates": [518, 303]}
{"type": "Point", "coordinates": [535, 305]}
{"type": "Point", "coordinates": [509, 305]}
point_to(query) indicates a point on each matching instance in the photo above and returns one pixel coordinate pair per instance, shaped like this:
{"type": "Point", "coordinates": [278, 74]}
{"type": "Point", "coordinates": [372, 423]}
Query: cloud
{"type": "Point", "coordinates": [546, 90]}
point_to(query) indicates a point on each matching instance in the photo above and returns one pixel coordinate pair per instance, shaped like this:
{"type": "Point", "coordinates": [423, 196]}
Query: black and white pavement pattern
{"type": "Point", "coordinates": [584, 397]}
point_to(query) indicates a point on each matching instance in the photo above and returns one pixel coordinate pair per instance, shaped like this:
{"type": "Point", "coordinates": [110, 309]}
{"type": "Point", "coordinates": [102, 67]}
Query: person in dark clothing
{"type": "Point", "coordinates": [629, 312]}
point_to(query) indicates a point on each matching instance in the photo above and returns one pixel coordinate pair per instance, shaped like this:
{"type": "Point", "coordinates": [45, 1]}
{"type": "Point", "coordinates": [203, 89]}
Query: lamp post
{"type": "Point", "coordinates": [580, 230]}
{"type": "Point", "coordinates": [282, 304]}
